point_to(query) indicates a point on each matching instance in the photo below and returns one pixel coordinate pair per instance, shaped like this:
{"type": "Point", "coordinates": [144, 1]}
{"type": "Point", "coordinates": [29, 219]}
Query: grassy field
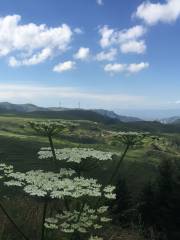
{"type": "Point", "coordinates": [19, 146]}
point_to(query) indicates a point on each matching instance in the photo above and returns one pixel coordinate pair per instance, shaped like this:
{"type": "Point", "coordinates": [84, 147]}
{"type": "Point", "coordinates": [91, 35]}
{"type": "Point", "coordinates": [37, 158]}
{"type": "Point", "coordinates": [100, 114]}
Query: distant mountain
{"type": "Point", "coordinates": [57, 111]}
{"type": "Point", "coordinates": [171, 120]}
{"type": "Point", "coordinates": [116, 116]}
{"type": "Point", "coordinates": [104, 115]}
{"type": "Point", "coordinates": [71, 114]}
{"type": "Point", "coordinates": [120, 123]}
{"type": "Point", "coordinates": [27, 107]}
{"type": "Point", "coordinates": [10, 107]}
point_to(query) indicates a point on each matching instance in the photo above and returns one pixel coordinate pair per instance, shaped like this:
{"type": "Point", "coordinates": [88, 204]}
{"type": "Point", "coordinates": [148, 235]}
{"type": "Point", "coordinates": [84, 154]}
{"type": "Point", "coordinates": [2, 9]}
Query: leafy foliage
{"type": "Point", "coordinates": [159, 206]}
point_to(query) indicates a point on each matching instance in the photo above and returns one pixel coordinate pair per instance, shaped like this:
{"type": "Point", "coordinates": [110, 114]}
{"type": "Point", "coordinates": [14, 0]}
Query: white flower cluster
{"type": "Point", "coordinates": [58, 185]}
{"type": "Point", "coordinates": [130, 138]}
{"type": "Point", "coordinates": [5, 170]}
{"type": "Point", "coordinates": [108, 192]}
{"type": "Point", "coordinates": [75, 154]}
{"type": "Point", "coordinates": [51, 223]}
{"type": "Point", "coordinates": [65, 185]}
{"type": "Point", "coordinates": [48, 128]}
{"type": "Point", "coordinates": [79, 221]}
{"type": "Point", "coordinates": [95, 238]}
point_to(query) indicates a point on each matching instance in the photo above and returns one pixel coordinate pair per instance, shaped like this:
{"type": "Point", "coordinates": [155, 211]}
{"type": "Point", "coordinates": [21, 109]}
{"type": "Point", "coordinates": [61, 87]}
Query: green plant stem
{"type": "Point", "coordinates": [76, 235]}
{"type": "Point", "coordinates": [53, 152]}
{"type": "Point", "coordinates": [13, 222]}
{"type": "Point", "coordinates": [115, 172]}
{"type": "Point", "coordinates": [52, 148]}
{"type": "Point", "coordinates": [43, 219]}
{"type": "Point", "coordinates": [66, 202]}
{"type": "Point", "coordinates": [117, 167]}
{"type": "Point", "coordinates": [81, 210]}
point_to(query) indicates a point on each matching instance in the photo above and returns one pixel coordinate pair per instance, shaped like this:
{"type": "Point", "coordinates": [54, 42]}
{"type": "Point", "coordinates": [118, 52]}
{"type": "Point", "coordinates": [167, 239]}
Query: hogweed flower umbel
{"type": "Point", "coordinates": [58, 185]}
{"type": "Point", "coordinates": [75, 155]}
{"type": "Point", "coordinates": [76, 193]}
{"type": "Point", "coordinates": [76, 221]}
{"type": "Point", "coordinates": [5, 170]}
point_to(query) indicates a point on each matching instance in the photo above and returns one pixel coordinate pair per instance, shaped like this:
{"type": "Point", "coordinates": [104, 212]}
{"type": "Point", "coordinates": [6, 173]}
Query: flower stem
{"type": "Point", "coordinates": [13, 222]}
{"type": "Point", "coordinates": [53, 152]}
{"type": "Point", "coordinates": [76, 235]}
{"type": "Point", "coordinates": [117, 167]}
{"type": "Point", "coordinates": [115, 172]}
{"type": "Point", "coordinates": [43, 219]}
{"type": "Point", "coordinates": [52, 147]}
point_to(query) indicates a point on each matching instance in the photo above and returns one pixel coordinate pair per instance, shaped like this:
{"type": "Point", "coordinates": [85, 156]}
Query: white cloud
{"type": "Point", "coordinates": [107, 36]}
{"type": "Point", "coordinates": [137, 67]}
{"type": "Point", "coordinates": [33, 60]}
{"type": "Point", "coordinates": [125, 68]}
{"type": "Point", "coordinates": [115, 68]}
{"type": "Point", "coordinates": [65, 66]}
{"type": "Point", "coordinates": [38, 94]}
{"type": "Point", "coordinates": [131, 33]}
{"type": "Point", "coordinates": [133, 46]}
{"type": "Point", "coordinates": [110, 37]}
{"type": "Point", "coordinates": [78, 31]}
{"type": "Point", "coordinates": [29, 44]}
{"type": "Point", "coordinates": [107, 56]}
{"type": "Point", "coordinates": [82, 54]}
{"type": "Point", "coordinates": [100, 2]}
{"type": "Point", "coordinates": [153, 13]}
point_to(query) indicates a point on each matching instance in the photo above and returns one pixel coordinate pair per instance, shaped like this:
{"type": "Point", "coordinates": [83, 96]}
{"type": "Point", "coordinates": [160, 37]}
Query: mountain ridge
{"type": "Point", "coordinates": [30, 108]}
{"type": "Point", "coordinates": [27, 108]}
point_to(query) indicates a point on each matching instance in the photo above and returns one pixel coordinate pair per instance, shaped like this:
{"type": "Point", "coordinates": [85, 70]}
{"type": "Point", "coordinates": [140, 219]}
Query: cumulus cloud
{"type": "Point", "coordinates": [137, 67]}
{"type": "Point", "coordinates": [107, 36]}
{"type": "Point", "coordinates": [65, 66]}
{"type": "Point", "coordinates": [100, 2]}
{"type": "Point", "coordinates": [115, 68]}
{"type": "Point", "coordinates": [125, 39]}
{"type": "Point", "coordinates": [29, 44]}
{"type": "Point", "coordinates": [78, 31]}
{"type": "Point", "coordinates": [107, 55]}
{"type": "Point", "coordinates": [110, 36]}
{"type": "Point", "coordinates": [153, 13]}
{"type": "Point", "coordinates": [33, 60]}
{"type": "Point", "coordinates": [133, 46]}
{"type": "Point", "coordinates": [125, 68]}
{"type": "Point", "coordinates": [82, 54]}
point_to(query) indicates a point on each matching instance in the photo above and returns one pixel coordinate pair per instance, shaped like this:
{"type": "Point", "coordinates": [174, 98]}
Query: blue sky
{"type": "Point", "coordinates": [105, 54]}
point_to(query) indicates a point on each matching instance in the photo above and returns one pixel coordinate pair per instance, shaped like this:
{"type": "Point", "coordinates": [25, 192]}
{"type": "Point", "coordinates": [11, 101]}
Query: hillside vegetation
{"type": "Point", "coordinates": [20, 144]}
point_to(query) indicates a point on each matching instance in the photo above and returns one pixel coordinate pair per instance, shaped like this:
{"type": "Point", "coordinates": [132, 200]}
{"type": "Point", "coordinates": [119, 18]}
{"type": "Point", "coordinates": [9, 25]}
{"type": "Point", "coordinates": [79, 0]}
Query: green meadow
{"type": "Point", "coordinates": [19, 145]}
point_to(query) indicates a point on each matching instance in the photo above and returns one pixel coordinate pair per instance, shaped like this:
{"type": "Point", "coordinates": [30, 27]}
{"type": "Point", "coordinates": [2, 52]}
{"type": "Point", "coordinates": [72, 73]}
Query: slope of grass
{"type": "Point", "coordinates": [19, 145]}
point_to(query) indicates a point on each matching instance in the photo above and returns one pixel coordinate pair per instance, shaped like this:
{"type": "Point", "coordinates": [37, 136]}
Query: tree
{"type": "Point", "coordinates": [168, 199]}
{"type": "Point", "coordinates": [159, 204]}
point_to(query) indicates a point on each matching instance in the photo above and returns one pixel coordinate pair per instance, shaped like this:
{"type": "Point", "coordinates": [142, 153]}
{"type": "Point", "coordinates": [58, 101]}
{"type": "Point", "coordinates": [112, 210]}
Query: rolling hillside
{"type": "Point", "coordinates": [55, 111]}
